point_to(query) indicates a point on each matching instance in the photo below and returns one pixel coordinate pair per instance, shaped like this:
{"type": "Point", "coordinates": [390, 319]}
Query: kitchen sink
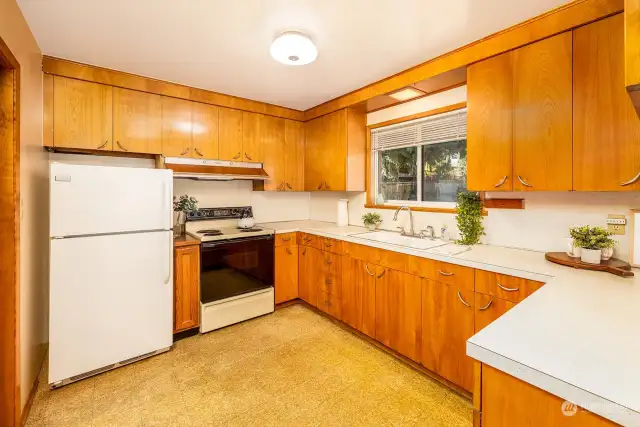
{"type": "Point", "coordinates": [392, 238]}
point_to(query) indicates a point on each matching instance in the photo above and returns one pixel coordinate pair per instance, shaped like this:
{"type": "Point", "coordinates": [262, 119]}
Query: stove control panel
{"type": "Point", "coordinates": [220, 213]}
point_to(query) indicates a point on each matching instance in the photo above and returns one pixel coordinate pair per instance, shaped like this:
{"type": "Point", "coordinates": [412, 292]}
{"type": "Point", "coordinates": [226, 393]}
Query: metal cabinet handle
{"type": "Point", "coordinates": [523, 182]}
{"type": "Point", "coordinates": [185, 151]}
{"type": "Point", "coordinates": [247, 156]}
{"type": "Point", "coordinates": [304, 251]}
{"type": "Point", "coordinates": [328, 281]}
{"type": "Point", "coordinates": [285, 239]}
{"type": "Point", "coordinates": [382, 274]}
{"type": "Point", "coordinates": [320, 186]}
{"type": "Point", "coordinates": [198, 152]}
{"type": "Point", "coordinates": [326, 186]}
{"type": "Point", "coordinates": [306, 239]}
{"type": "Point", "coordinates": [631, 181]}
{"type": "Point", "coordinates": [103, 145]}
{"type": "Point", "coordinates": [237, 156]}
{"type": "Point", "coordinates": [486, 306]}
{"type": "Point", "coordinates": [120, 146]}
{"type": "Point", "coordinates": [288, 251]}
{"type": "Point", "coordinates": [462, 300]}
{"type": "Point", "coordinates": [328, 244]}
{"type": "Point", "coordinates": [445, 273]}
{"type": "Point", "coordinates": [366, 267]}
{"type": "Point", "coordinates": [508, 289]}
{"type": "Point", "coordinates": [289, 186]}
{"type": "Point", "coordinates": [328, 261]}
{"type": "Point", "coordinates": [504, 179]}
{"type": "Point", "coordinates": [279, 187]}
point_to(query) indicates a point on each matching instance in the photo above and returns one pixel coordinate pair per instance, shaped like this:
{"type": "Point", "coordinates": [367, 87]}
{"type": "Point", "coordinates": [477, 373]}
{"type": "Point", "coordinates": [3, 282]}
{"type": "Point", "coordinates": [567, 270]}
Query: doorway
{"type": "Point", "coordinates": [9, 238]}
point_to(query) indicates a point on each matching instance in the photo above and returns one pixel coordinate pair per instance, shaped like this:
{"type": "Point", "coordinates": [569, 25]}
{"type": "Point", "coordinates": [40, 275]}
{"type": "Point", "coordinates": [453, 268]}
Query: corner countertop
{"type": "Point", "coordinates": [578, 337]}
{"type": "Point", "coordinates": [185, 240]}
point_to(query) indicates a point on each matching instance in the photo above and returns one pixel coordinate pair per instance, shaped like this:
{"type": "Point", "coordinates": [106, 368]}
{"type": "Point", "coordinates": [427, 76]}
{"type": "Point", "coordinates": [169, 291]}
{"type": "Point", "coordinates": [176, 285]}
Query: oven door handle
{"type": "Point", "coordinates": [220, 243]}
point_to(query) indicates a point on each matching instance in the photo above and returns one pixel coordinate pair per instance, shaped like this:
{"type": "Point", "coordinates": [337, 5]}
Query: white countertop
{"type": "Point", "coordinates": [578, 337]}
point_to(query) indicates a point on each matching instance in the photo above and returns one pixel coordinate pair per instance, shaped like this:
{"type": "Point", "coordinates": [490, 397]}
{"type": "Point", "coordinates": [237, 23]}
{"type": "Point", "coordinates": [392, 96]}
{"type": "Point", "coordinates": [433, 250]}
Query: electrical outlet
{"type": "Point", "coordinates": [616, 224]}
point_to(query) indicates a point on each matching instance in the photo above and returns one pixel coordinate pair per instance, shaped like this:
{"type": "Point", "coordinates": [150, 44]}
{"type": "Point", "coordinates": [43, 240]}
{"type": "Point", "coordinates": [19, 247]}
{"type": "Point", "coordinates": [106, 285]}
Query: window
{"type": "Point", "coordinates": [421, 162]}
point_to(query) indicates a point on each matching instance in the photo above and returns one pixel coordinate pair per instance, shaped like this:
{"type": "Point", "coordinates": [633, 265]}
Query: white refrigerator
{"type": "Point", "coordinates": [111, 268]}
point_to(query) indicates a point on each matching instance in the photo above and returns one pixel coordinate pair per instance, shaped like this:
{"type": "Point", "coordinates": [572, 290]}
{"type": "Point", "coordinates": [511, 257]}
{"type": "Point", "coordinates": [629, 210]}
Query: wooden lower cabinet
{"type": "Point", "coordinates": [447, 324]}
{"type": "Point", "coordinates": [306, 260]}
{"type": "Point", "coordinates": [510, 402]}
{"type": "Point", "coordinates": [286, 273]}
{"type": "Point", "coordinates": [359, 295]}
{"type": "Point", "coordinates": [488, 308]}
{"type": "Point", "coordinates": [186, 291]}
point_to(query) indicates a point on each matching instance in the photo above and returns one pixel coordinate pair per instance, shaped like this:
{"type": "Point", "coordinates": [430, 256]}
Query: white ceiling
{"type": "Point", "coordinates": [223, 45]}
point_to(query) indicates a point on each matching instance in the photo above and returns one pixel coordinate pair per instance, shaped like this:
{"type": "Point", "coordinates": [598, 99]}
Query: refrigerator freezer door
{"type": "Point", "coordinates": [111, 299]}
{"type": "Point", "coordinates": [99, 199]}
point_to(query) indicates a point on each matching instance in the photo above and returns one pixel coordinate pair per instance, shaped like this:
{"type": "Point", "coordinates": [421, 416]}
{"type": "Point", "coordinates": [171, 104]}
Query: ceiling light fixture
{"type": "Point", "coordinates": [406, 93]}
{"type": "Point", "coordinates": [293, 48]}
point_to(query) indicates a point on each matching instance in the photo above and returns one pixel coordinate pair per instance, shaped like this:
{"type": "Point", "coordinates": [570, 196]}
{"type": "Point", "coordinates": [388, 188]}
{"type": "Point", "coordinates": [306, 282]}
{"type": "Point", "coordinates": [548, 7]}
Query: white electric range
{"type": "Point", "coordinates": [236, 267]}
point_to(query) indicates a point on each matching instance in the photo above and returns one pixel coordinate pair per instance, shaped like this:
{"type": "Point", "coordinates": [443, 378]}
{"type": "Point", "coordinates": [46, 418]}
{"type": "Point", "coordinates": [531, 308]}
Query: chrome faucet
{"type": "Point", "coordinates": [431, 232]}
{"type": "Point", "coordinates": [395, 218]}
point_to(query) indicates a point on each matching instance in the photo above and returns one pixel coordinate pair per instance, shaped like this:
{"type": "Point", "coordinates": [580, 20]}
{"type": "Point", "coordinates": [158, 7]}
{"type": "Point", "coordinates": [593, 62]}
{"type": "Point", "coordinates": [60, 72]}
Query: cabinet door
{"type": "Point", "coordinates": [398, 311]}
{"type": "Point", "coordinates": [273, 140]}
{"type": "Point", "coordinates": [286, 273]}
{"type": "Point", "coordinates": [543, 136]}
{"type": "Point", "coordinates": [186, 288]}
{"type": "Point", "coordinates": [256, 130]}
{"type": "Point", "coordinates": [137, 121]}
{"type": "Point", "coordinates": [230, 134]}
{"type": "Point", "coordinates": [490, 124]}
{"type": "Point", "coordinates": [294, 155]}
{"type": "Point", "coordinates": [308, 271]}
{"type": "Point", "coordinates": [313, 155]}
{"type": "Point", "coordinates": [176, 127]}
{"type": "Point", "coordinates": [488, 308]}
{"type": "Point", "coordinates": [447, 324]}
{"type": "Point", "coordinates": [330, 278]}
{"type": "Point", "coordinates": [82, 114]}
{"type": "Point", "coordinates": [204, 119]}
{"type": "Point", "coordinates": [334, 153]}
{"type": "Point", "coordinates": [606, 128]}
{"type": "Point", "coordinates": [359, 295]}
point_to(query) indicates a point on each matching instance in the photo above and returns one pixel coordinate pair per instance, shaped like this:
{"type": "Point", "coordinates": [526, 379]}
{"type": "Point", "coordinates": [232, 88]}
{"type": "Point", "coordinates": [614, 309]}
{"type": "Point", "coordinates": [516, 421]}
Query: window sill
{"type": "Point", "coordinates": [418, 209]}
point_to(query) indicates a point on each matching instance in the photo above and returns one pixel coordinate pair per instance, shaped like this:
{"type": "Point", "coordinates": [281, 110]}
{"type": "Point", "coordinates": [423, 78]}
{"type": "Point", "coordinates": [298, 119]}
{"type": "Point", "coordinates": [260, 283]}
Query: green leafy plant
{"type": "Point", "coordinates": [371, 218]}
{"type": "Point", "coordinates": [591, 237]}
{"type": "Point", "coordinates": [469, 218]}
{"type": "Point", "coordinates": [185, 204]}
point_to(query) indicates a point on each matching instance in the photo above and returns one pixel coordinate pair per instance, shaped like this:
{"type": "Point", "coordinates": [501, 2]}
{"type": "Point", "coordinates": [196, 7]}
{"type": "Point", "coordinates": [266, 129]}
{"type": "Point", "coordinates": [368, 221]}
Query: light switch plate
{"type": "Point", "coordinates": [616, 224]}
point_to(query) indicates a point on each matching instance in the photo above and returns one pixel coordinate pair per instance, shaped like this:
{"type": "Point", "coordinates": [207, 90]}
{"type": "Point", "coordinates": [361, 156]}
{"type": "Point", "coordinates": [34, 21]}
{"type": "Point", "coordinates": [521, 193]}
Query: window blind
{"type": "Point", "coordinates": [451, 126]}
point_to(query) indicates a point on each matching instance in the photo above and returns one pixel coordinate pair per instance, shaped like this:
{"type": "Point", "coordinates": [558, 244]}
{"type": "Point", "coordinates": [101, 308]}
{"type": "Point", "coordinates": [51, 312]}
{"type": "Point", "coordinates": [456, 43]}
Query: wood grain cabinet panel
{"type": "Point", "coordinates": [606, 128]}
{"type": "Point", "coordinates": [359, 295]}
{"type": "Point", "coordinates": [270, 135]}
{"type": "Point", "coordinates": [490, 124]}
{"type": "Point", "coordinates": [543, 93]}
{"type": "Point", "coordinates": [632, 50]}
{"type": "Point", "coordinates": [293, 155]}
{"type": "Point", "coordinates": [334, 152]}
{"type": "Point", "coordinates": [285, 239]}
{"type": "Point", "coordinates": [176, 127]}
{"type": "Point", "coordinates": [186, 292]}
{"type": "Point", "coordinates": [509, 288]}
{"type": "Point", "coordinates": [137, 121]}
{"type": "Point", "coordinates": [230, 134]}
{"type": "Point", "coordinates": [313, 157]}
{"type": "Point", "coordinates": [259, 131]}
{"type": "Point", "coordinates": [330, 304]}
{"type": "Point", "coordinates": [329, 273]}
{"type": "Point", "coordinates": [82, 114]}
{"type": "Point", "coordinates": [488, 308]}
{"type": "Point", "coordinates": [452, 274]}
{"type": "Point", "coordinates": [447, 324]}
{"type": "Point", "coordinates": [286, 273]}
{"type": "Point", "coordinates": [308, 283]}
{"type": "Point", "coordinates": [398, 311]}
{"type": "Point", "coordinates": [204, 118]}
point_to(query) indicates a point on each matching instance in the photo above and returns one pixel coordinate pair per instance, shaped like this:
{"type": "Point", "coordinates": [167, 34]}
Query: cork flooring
{"type": "Point", "coordinates": [291, 368]}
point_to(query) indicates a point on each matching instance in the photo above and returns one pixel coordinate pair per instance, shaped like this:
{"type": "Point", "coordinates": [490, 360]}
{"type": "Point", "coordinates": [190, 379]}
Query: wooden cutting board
{"type": "Point", "coordinates": [612, 265]}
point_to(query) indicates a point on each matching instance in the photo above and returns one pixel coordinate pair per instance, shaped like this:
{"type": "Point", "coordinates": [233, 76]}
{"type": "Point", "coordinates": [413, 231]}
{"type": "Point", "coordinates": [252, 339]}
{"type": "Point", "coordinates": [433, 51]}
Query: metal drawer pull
{"type": "Point", "coordinates": [462, 300]}
{"type": "Point", "coordinates": [247, 156]}
{"type": "Point", "coordinates": [280, 186]}
{"type": "Point", "coordinates": [631, 181]}
{"type": "Point", "coordinates": [486, 306]}
{"type": "Point", "coordinates": [185, 151]}
{"type": "Point", "coordinates": [328, 261]}
{"type": "Point", "coordinates": [304, 251]}
{"type": "Point", "coordinates": [327, 244]}
{"type": "Point", "coordinates": [523, 182]}
{"type": "Point", "coordinates": [445, 274]}
{"type": "Point", "coordinates": [501, 182]}
{"type": "Point", "coordinates": [327, 186]}
{"type": "Point", "coordinates": [237, 156]}
{"type": "Point", "coordinates": [120, 146]}
{"type": "Point", "coordinates": [366, 267]}
{"type": "Point", "coordinates": [508, 289]}
{"type": "Point", "coordinates": [288, 251]}
{"type": "Point", "coordinates": [328, 282]}
{"type": "Point", "coordinates": [382, 274]}
{"type": "Point", "coordinates": [198, 152]}
{"type": "Point", "coordinates": [285, 239]}
{"type": "Point", "coordinates": [103, 145]}
{"type": "Point", "coordinates": [289, 186]}
{"type": "Point", "coordinates": [320, 186]}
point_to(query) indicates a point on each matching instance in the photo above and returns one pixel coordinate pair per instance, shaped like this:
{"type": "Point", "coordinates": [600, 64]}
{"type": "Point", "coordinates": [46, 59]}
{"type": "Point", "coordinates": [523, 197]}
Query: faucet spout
{"type": "Point", "coordinates": [395, 218]}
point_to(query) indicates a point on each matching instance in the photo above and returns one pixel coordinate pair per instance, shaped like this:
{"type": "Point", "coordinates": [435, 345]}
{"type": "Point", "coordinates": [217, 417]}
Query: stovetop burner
{"type": "Point", "coordinates": [248, 230]}
{"type": "Point", "coordinates": [211, 232]}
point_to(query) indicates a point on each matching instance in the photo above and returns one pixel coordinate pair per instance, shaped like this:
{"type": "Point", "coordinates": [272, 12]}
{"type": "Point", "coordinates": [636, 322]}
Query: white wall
{"type": "Point", "coordinates": [542, 225]}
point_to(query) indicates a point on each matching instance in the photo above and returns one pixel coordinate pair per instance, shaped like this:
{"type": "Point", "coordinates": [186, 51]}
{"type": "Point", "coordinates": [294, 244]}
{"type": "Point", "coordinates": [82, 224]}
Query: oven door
{"type": "Point", "coordinates": [234, 267]}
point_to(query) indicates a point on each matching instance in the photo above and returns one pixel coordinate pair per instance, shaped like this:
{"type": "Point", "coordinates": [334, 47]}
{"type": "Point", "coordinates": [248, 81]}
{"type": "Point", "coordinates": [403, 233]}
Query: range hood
{"type": "Point", "coordinates": [214, 170]}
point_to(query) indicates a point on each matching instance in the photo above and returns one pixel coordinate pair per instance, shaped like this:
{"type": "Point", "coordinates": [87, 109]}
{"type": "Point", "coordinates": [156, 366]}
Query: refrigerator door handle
{"type": "Point", "coordinates": [169, 262]}
{"type": "Point", "coordinates": [167, 198]}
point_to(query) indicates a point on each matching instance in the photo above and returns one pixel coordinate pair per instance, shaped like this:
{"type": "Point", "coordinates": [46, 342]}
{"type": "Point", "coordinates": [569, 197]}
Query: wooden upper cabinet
{"type": "Point", "coordinates": [273, 141]}
{"type": "Point", "coordinates": [606, 128]}
{"type": "Point", "coordinates": [256, 130]}
{"type": "Point", "coordinates": [204, 131]}
{"type": "Point", "coordinates": [137, 121]}
{"type": "Point", "coordinates": [176, 127]}
{"type": "Point", "coordinates": [334, 152]}
{"type": "Point", "coordinates": [632, 50]}
{"type": "Point", "coordinates": [293, 155]}
{"type": "Point", "coordinates": [186, 288]}
{"type": "Point", "coordinates": [230, 134]}
{"type": "Point", "coordinates": [490, 124]}
{"type": "Point", "coordinates": [313, 163]}
{"type": "Point", "coordinates": [82, 114]}
{"type": "Point", "coordinates": [359, 295]}
{"type": "Point", "coordinates": [542, 140]}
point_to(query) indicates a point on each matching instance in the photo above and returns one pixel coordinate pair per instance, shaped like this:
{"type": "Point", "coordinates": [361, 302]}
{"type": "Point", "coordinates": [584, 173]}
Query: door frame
{"type": "Point", "coordinates": [10, 407]}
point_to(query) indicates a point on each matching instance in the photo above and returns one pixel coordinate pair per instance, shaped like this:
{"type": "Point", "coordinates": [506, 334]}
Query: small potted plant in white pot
{"type": "Point", "coordinates": [592, 241]}
{"type": "Point", "coordinates": [181, 207]}
{"type": "Point", "coordinates": [371, 220]}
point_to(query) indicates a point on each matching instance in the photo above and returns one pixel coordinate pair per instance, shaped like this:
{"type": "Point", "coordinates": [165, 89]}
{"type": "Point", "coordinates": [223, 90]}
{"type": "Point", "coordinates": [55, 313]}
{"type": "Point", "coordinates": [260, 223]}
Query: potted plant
{"type": "Point", "coordinates": [180, 208]}
{"type": "Point", "coordinates": [469, 218]}
{"type": "Point", "coordinates": [592, 241]}
{"type": "Point", "coordinates": [371, 220]}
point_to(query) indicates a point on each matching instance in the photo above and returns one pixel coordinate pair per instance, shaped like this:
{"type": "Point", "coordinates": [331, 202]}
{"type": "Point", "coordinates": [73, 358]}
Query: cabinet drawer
{"type": "Point", "coordinates": [452, 274]}
{"type": "Point", "coordinates": [330, 245]}
{"type": "Point", "coordinates": [488, 308]}
{"type": "Point", "coordinates": [330, 280]}
{"type": "Point", "coordinates": [418, 266]}
{"type": "Point", "coordinates": [306, 239]}
{"type": "Point", "coordinates": [506, 287]}
{"type": "Point", "coordinates": [362, 252]}
{"type": "Point", "coordinates": [330, 304]}
{"type": "Point", "coordinates": [285, 239]}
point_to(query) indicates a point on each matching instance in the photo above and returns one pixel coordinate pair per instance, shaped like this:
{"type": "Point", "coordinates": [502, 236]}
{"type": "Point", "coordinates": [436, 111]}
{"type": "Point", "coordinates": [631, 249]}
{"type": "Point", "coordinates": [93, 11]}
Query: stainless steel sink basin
{"type": "Point", "coordinates": [397, 239]}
